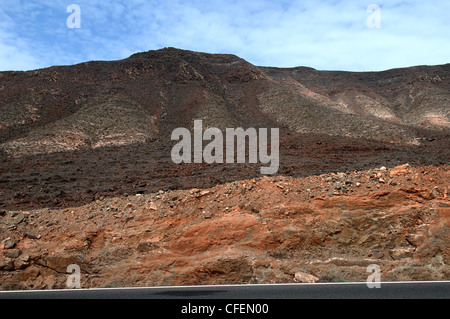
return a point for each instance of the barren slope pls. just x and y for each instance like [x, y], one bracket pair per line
[87, 175]
[170, 88]
[326, 228]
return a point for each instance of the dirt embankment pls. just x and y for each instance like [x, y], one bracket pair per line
[326, 228]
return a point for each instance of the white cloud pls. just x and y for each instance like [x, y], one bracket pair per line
[14, 52]
[12, 58]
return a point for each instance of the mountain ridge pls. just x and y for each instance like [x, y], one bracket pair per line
[170, 82]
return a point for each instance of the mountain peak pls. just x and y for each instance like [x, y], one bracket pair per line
[187, 55]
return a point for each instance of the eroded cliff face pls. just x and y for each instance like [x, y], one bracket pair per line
[324, 228]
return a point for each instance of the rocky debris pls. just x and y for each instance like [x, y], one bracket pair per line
[305, 278]
[19, 218]
[147, 246]
[152, 206]
[399, 170]
[12, 253]
[312, 233]
[6, 265]
[8, 243]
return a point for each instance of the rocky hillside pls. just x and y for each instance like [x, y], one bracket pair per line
[149, 94]
[326, 228]
[87, 175]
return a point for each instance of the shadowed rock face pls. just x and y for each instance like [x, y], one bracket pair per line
[87, 176]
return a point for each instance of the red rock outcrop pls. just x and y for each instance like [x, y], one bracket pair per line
[262, 230]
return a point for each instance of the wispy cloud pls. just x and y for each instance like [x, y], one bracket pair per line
[324, 35]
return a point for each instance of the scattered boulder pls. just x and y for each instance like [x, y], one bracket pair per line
[19, 218]
[399, 170]
[6, 264]
[9, 244]
[302, 277]
[147, 246]
[13, 253]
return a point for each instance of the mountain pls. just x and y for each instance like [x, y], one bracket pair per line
[146, 96]
[82, 130]
[87, 177]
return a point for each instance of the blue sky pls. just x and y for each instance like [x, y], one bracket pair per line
[326, 35]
